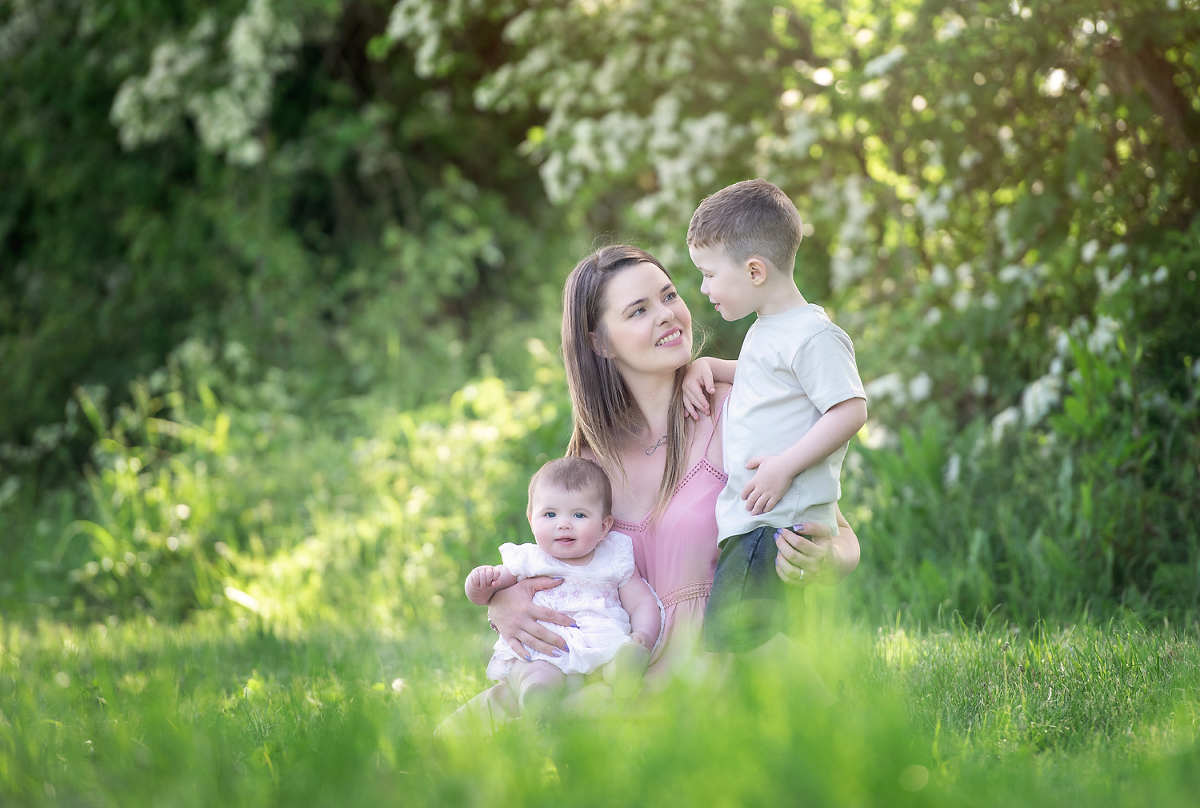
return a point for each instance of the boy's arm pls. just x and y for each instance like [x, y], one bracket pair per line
[484, 581]
[699, 382]
[644, 618]
[775, 472]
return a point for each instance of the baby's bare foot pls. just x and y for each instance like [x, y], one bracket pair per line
[629, 669]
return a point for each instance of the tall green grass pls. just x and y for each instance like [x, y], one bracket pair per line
[137, 714]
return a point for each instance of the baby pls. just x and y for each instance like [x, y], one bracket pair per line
[617, 618]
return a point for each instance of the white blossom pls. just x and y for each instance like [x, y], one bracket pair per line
[884, 64]
[951, 472]
[969, 157]
[848, 264]
[1041, 396]
[934, 209]
[873, 90]
[1108, 285]
[940, 275]
[258, 47]
[890, 386]
[953, 26]
[1088, 252]
[1006, 418]
[1055, 82]
[1103, 335]
[1010, 273]
[920, 386]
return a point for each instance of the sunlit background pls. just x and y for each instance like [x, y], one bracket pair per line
[279, 311]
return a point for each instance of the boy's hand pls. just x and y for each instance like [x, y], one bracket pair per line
[482, 582]
[697, 386]
[768, 485]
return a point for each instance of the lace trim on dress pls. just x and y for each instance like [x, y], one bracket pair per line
[702, 465]
[692, 591]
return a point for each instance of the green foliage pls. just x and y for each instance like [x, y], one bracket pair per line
[243, 172]
[196, 498]
[256, 247]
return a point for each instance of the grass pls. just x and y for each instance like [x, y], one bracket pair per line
[218, 714]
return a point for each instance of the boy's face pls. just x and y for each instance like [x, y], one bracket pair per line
[733, 288]
[567, 524]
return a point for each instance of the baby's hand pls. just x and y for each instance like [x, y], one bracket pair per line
[697, 386]
[629, 667]
[482, 582]
[768, 485]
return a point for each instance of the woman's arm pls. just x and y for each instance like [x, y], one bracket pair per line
[515, 615]
[821, 557]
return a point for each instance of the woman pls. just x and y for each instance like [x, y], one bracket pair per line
[627, 345]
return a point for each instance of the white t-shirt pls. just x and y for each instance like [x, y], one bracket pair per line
[792, 368]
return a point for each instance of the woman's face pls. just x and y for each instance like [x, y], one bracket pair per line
[647, 324]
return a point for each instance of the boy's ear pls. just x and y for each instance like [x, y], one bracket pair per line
[608, 523]
[757, 269]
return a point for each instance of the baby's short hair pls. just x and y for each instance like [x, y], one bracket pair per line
[749, 218]
[573, 474]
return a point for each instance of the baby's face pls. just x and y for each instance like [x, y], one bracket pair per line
[567, 524]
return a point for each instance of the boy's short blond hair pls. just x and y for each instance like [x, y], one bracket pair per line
[573, 474]
[749, 218]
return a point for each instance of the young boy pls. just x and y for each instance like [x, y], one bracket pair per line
[796, 401]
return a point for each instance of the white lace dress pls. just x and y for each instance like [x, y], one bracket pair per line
[588, 594]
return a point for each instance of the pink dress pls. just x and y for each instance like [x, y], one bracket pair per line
[677, 553]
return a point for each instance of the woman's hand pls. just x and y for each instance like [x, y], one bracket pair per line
[812, 553]
[515, 615]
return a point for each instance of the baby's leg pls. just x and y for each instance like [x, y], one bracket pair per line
[537, 685]
[627, 670]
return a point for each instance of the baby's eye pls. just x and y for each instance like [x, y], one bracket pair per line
[581, 516]
[551, 514]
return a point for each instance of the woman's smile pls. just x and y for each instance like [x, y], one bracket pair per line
[672, 337]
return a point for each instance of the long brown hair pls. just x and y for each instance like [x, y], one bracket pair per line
[605, 417]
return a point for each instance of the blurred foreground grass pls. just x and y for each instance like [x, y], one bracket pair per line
[136, 714]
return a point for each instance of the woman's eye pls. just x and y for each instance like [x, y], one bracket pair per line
[671, 296]
[637, 311]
